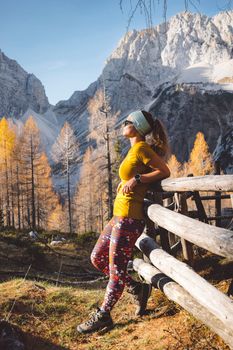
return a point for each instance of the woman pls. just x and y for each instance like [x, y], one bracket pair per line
[113, 250]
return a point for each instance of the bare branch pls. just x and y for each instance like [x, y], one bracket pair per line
[147, 8]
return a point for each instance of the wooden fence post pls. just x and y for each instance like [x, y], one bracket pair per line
[218, 197]
[187, 247]
[176, 293]
[205, 293]
[171, 237]
[163, 233]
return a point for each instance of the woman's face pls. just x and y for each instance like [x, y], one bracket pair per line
[129, 129]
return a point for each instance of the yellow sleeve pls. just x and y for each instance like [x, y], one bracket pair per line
[145, 154]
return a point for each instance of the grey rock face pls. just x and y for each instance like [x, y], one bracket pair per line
[186, 109]
[146, 72]
[224, 151]
[19, 90]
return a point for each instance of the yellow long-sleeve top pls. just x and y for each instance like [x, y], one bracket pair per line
[135, 162]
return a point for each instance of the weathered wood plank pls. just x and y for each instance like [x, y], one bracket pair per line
[200, 208]
[179, 295]
[196, 183]
[162, 232]
[215, 239]
[218, 197]
[186, 245]
[206, 294]
[210, 197]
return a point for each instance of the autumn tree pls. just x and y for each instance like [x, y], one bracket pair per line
[101, 130]
[174, 166]
[84, 196]
[201, 160]
[56, 220]
[46, 199]
[65, 153]
[7, 143]
[31, 153]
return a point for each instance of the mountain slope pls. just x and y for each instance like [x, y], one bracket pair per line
[19, 90]
[148, 68]
[181, 71]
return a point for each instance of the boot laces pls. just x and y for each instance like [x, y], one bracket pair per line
[94, 317]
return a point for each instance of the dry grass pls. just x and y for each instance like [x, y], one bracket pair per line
[48, 315]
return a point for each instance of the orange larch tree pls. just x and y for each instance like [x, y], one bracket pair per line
[174, 166]
[7, 143]
[31, 153]
[201, 161]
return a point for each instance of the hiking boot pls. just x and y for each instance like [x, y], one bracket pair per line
[99, 320]
[140, 293]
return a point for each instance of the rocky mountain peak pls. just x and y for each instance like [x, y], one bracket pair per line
[180, 70]
[158, 55]
[19, 90]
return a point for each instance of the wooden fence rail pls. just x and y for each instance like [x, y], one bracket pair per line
[179, 295]
[215, 239]
[207, 295]
[175, 278]
[196, 183]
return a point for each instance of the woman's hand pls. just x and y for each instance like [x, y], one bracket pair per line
[129, 185]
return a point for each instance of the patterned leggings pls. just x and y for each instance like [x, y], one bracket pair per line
[112, 252]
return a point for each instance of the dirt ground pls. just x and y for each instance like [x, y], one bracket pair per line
[47, 306]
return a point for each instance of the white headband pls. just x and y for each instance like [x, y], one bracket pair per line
[140, 123]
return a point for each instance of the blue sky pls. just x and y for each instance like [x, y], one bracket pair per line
[66, 42]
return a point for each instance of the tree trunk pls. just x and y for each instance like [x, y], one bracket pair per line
[12, 200]
[69, 197]
[33, 189]
[8, 218]
[18, 196]
[28, 207]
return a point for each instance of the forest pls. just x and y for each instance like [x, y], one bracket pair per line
[28, 198]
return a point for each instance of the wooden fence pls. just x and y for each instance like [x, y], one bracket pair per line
[177, 226]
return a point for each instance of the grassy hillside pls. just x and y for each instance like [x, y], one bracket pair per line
[48, 314]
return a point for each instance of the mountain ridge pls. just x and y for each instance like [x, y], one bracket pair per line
[19, 90]
[178, 64]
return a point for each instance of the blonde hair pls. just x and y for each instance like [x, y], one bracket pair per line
[158, 137]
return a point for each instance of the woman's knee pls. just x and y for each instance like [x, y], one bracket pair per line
[97, 259]
[94, 258]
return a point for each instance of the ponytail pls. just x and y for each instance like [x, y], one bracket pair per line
[157, 138]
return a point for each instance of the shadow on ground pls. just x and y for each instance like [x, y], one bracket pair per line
[13, 338]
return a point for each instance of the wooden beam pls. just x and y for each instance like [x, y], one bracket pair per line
[206, 294]
[218, 197]
[195, 183]
[219, 217]
[179, 295]
[187, 247]
[200, 208]
[164, 239]
[215, 239]
[222, 196]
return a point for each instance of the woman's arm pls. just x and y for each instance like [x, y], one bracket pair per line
[160, 171]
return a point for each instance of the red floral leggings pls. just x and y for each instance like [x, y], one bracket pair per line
[112, 252]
